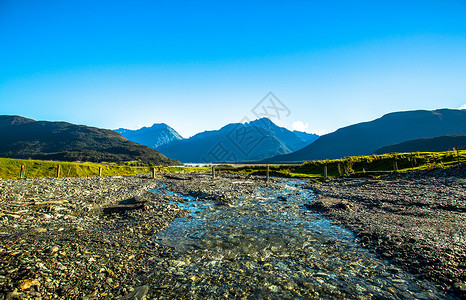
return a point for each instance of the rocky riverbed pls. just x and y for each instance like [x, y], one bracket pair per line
[416, 220]
[110, 237]
[78, 238]
[87, 238]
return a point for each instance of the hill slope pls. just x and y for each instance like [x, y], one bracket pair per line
[435, 144]
[307, 137]
[365, 138]
[255, 140]
[27, 138]
[154, 136]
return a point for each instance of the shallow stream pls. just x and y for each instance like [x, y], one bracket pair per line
[268, 245]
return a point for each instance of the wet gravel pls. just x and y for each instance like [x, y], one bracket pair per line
[98, 238]
[268, 245]
[415, 220]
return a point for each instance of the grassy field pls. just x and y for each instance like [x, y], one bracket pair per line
[11, 169]
[350, 166]
[360, 165]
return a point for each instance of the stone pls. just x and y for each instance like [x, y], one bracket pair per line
[139, 293]
[46, 216]
[53, 249]
[460, 286]
[39, 230]
[26, 284]
[14, 295]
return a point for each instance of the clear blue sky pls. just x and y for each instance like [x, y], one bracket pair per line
[199, 65]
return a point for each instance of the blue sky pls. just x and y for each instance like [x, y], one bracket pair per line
[200, 65]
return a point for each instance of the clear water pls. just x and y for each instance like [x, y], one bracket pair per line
[268, 245]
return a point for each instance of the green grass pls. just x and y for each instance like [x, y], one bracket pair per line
[383, 163]
[349, 166]
[357, 165]
[11, 168]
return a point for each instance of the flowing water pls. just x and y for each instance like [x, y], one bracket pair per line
[268, 245]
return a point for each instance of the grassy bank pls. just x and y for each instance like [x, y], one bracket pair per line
[349, 166]
[11, 169]
[360, 165]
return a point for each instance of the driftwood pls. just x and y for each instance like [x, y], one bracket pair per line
[40, 203]
[122, 208]
[19, 212]
[134, 203]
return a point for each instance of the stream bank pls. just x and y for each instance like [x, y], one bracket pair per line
[415, 220]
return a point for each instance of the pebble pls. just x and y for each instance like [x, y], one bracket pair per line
[139, 293]
[26, 284]
[38, 230]
[53, 249]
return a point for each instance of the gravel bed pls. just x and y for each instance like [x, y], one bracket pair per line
[80, 238]
[90, 238]
[93, 238]
[417, 220]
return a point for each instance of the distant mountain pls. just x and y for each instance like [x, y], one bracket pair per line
[154, 136]
[435, 144]
[255, 140]
[307, 137]
[365, 138]
[26, 138]
[293, 140]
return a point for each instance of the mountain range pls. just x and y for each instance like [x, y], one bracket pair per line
[235, 142]
[26, 138]
[367, 137]
[256, 141]
[157, 135]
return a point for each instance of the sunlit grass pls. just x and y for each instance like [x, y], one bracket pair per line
[11, 169]
[349, 166]
[356, 165]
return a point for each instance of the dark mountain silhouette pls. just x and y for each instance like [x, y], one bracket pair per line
[255, 140]
[154, 136]
[365, 138]
[435, 144]
[26, 138]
